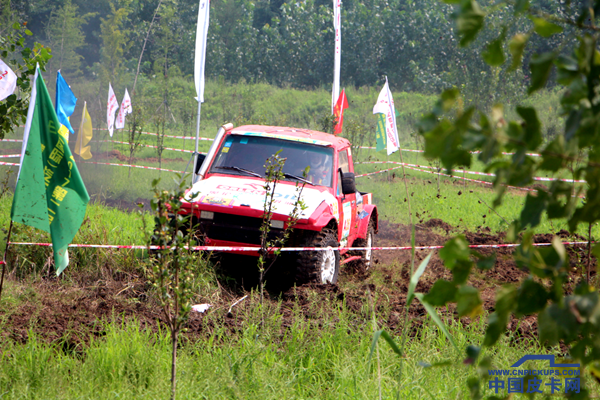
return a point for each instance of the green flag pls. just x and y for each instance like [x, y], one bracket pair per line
[50, 194]
[380, 134]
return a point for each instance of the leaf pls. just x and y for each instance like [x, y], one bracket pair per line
[516, 46]
[506, 300]
[540, 65]
[472, 354]
[496, 326]
[461, 271]
[455, 249]
[557, 323]
[441, 293]
[532, 128]
[531, 298]
[388, 339]
[531, 214]
[545, 28]
[447, 100]
[469, 303]
[414, 280]
[435, 317]
[568, 69]
[469, 21]
[485, 263]
[553, 158]
[494, 54]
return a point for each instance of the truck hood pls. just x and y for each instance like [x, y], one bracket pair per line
[234, 192]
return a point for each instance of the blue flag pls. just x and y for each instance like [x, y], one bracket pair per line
[65, 102]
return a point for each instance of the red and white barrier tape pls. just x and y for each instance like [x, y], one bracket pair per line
[470, 180]
[147, 145]
[377, 172]
[472, 152]
[249, 249]
[9, 163]
[11, 140]
[131, 166]
[478, 181]
[180, 137]
[169, 136]
[536, 178]
[9, 155]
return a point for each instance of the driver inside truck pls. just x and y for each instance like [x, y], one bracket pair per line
[320, 171]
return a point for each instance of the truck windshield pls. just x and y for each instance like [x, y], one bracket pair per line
[246, 155]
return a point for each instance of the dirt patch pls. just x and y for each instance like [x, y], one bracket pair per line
[71, 313]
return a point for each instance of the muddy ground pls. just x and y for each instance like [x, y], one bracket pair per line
[70, 312]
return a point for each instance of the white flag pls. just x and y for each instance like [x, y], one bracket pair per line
[337, 26]
[201, 33]
[111, 108]
[385, 105]
[125, 109]
[8, 81]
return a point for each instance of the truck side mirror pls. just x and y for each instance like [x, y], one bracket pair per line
[348, 183]
[201, 158]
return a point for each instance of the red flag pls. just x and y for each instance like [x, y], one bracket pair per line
[338, 112]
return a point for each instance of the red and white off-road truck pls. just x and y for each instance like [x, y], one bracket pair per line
[227, 197]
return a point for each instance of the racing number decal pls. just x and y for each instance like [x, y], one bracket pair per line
[347, 209]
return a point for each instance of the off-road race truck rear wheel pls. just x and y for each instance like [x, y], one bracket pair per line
[319, 266]
[362, 266]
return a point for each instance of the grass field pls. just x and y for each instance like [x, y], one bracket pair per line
[261, 361]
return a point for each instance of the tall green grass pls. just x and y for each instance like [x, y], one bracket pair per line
[328, 361]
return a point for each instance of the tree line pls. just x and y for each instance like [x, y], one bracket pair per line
[286, 44]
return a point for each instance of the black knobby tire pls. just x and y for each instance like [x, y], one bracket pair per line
[319, 266]
[361, 266]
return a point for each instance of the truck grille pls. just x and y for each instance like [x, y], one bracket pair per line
[236, 228]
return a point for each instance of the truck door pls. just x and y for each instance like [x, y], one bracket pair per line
[347, 203]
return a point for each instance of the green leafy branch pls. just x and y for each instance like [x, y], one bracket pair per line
[273, 175]
[23, 61]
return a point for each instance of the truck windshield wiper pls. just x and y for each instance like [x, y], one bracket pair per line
[247, 171]
[298, 178]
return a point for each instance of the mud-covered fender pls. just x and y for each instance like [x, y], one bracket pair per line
[369, 213]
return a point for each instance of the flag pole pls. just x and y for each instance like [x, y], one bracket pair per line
[3, 262]
[197, 139]
[199, 75]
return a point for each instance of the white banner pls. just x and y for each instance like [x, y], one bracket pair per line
[111, 108]
[200, 56]
[8, 81]
[337, 26]
[125, 110]
[385, 105]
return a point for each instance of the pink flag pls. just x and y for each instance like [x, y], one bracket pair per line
[8, 81]
[125, 109]
[111, 108]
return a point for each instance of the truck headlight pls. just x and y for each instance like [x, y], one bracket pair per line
[207, 214]
[276, 224]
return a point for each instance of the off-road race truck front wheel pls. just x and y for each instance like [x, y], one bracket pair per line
[362, 265]
[321, 266]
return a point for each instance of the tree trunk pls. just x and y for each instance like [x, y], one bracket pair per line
[174, 335]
